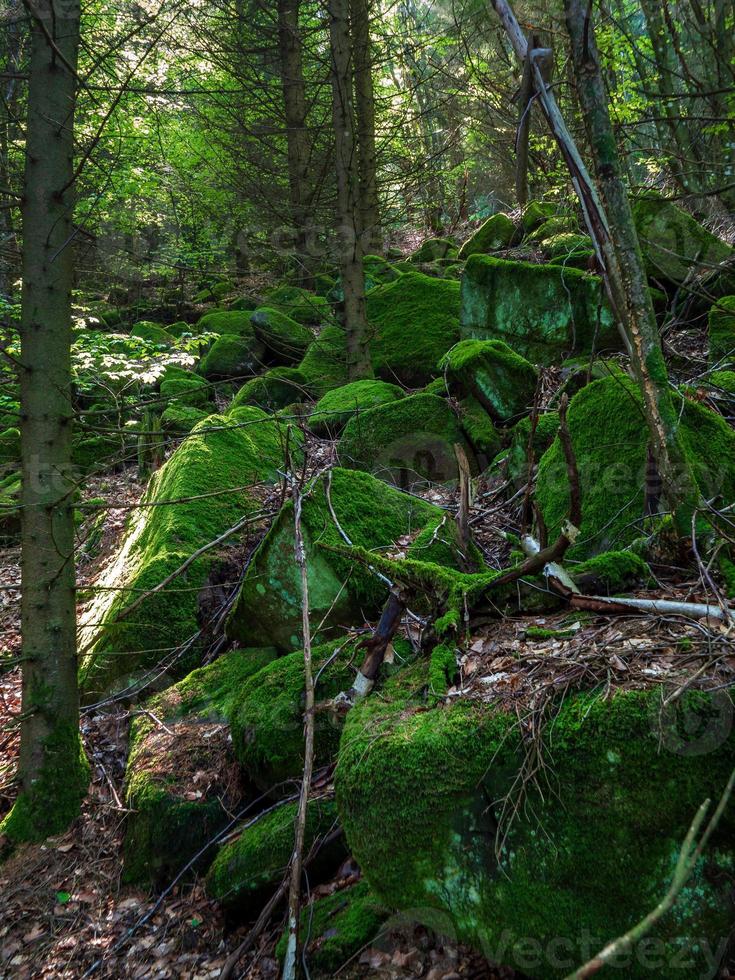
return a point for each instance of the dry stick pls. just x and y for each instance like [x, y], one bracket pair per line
[463, 514]
[688, 857]
[294, 894]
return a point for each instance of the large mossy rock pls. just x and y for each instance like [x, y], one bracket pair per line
[9, 448]
[277, 388]
[610, 438]
[246, 870]
[502, 381]
[408, 440]
[535, 213]
[541, 311]
[674, 245]
[285, 339]
[268, 715]
[232, 356]
[154, 333]
[421, 797]
[181, 782]
[373, 516]
[496, 232]
[217, 460]
[226, 321]
[721, 323]
[416, 320]
[433, 249]
[299, 304]
[334, 410]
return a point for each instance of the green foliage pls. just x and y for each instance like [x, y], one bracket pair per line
[154, 333]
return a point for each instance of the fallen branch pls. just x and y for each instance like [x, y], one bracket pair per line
[294, 894]
[690, 853]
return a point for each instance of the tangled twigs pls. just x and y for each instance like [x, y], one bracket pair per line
[691, 851]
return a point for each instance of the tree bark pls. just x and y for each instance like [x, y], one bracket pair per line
[53, 772]
[365, 113]
[297, 147]
[351, 252]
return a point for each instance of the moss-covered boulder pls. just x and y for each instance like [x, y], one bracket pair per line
[181, 782]
[610, 439]
[268, 714]
[9, 447]
[299, 304]
[334, 410]
[416, 321]
[154, 333]
[570, 249]
[9, 505]
[246, 870]
[496, 232]
[277, 388]
[502, 381]
[232, 356]
[535, 213]
[479, 430]
[434, 248]
[338, 927]
[178, 418]
[674, 245]
[721, 324]
[558, 225]
[325, 363]
[421, 796]
[285, 339]
[373, 516]
[542, 311]
[185, 388]
[408, 440]
[516, 456]
[217, 460]
[226, 322]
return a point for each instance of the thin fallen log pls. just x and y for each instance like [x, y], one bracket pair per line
[661, 607]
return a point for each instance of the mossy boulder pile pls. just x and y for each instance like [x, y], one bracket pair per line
[541, 311]
[495, 232]
[277, 388]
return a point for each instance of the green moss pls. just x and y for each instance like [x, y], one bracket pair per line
[479, 429]
[535, 213]
[301, 305]
[722, 331]
[226, 322]
[420, 797]
[495, 232]
[181, 418]
[724, 380]
[434, 248]
[415, 320]
[159, 539]
[284, 338]
[9, 505]
[610, 438]
[153, 332]
[53, 800]
[169, 823]
[551, 227]
[410, 438]
[501, 380]
[547, 426]
[267, 717]
[188, 389]
[338, 927]
[232, 356]
[439, 544]
[674, 245]
[613, 571]
[570, 248]
[273, 390]
[9, 446]
[325, 363]
[336, 408]
[542, 311]
[254, 864]
[378, 272]
[540, 633]
[372, 514]
[442, 669]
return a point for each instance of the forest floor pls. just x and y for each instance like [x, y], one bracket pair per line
[64, 911]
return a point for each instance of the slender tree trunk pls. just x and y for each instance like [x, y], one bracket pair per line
[12, 44]
[53, 772]
[351, 268]
[294, 102]
[616, 242]
[365, 112]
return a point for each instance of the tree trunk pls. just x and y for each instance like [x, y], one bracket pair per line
[365, 112]
[53, 772]
[350, 259]
[294, 102]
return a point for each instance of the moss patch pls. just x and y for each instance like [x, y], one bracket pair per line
[273, 390]
[299, 304]
[284, 338]
[232, 356]
[325, 363]
[501, 380]
[496, 232]
[336, 408]
[722, 331]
